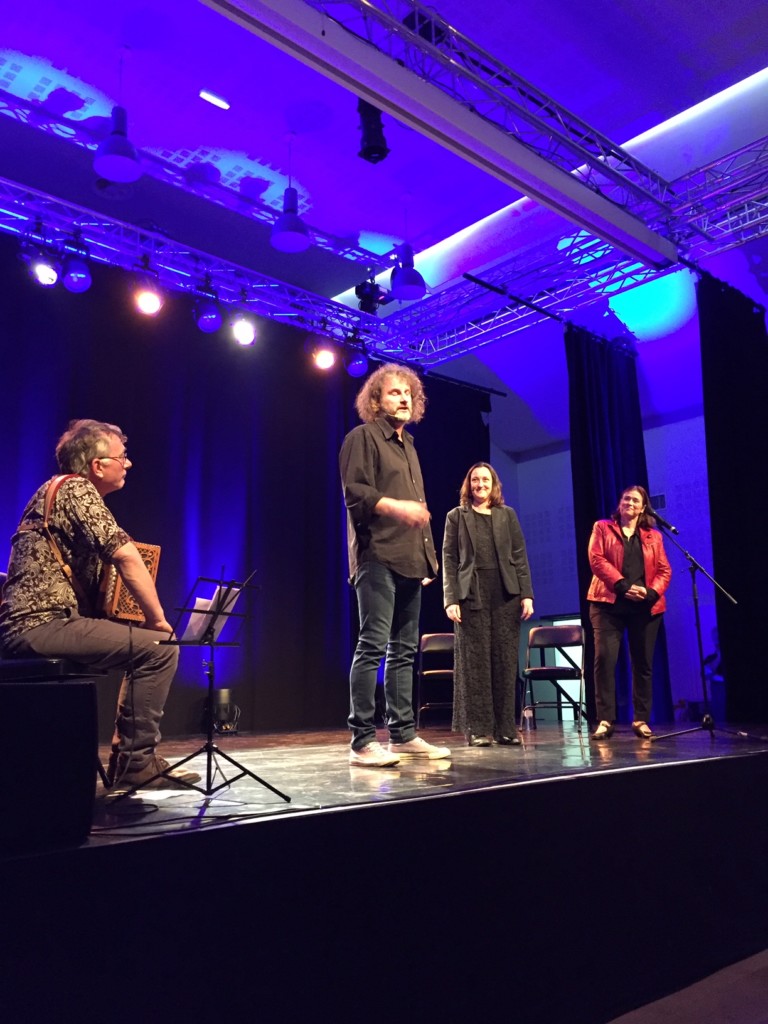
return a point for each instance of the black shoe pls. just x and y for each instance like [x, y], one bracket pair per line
[144, 778]
[478, 741]
[509, 741]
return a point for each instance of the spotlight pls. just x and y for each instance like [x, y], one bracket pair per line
[324, 357]
[148, 298]
[290, 233]
[357, 364]
[371, 296]
[226, 714]
[406, 282]
[207, 315]
[43, 267]
[76, 275]
[243, 330]
[373, 145]
[116, 157]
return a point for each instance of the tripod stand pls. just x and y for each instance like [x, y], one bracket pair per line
[707, 722]
[215, 614]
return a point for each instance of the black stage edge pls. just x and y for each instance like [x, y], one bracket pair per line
[566, 900]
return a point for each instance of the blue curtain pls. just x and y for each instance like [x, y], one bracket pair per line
[235, 456]
[607, 455]
[734, 364]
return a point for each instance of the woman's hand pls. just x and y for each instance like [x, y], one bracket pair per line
[453, 611]
[526, 608]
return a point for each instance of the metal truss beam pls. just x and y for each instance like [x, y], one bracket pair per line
[725, 202]
[46, 220]
[474, 107]
[170, 173]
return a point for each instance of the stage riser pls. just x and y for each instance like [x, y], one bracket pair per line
[568, 900]
[48, 738]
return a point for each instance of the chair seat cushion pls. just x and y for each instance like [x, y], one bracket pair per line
[552, 672]
[19, 670]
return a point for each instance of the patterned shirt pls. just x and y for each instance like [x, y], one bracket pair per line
[37, 591]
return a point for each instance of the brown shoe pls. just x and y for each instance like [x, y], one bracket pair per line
[144, 778]
[604, 731]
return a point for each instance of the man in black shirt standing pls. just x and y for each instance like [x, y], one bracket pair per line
[391, 556]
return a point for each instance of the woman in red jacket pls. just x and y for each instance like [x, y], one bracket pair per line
[631, 574]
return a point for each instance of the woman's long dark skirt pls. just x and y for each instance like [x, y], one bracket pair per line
[486, 660]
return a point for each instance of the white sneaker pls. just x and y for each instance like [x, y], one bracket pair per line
[417, 747]
[372, 755]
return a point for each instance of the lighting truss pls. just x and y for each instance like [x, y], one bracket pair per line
[462, 97]
[466, 317]
[171, 172]
[473, 77]
[179, 267]
[726, 201]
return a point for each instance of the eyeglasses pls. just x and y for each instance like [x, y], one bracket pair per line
[118, 458]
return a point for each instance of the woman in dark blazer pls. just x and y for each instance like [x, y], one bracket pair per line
[486, 592]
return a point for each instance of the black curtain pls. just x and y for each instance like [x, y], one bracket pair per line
[607, 455]
[235, 456]
[734, 360]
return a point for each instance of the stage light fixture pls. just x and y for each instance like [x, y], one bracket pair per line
[373, 145]
[148, 298]
[43, 268]
[324, 356]
[406, 283]
[116, 157]
[290, 233]
[76, 275]
[207, 314]
[226, 714]
[357, 364]
[243, 330]
[370, 296]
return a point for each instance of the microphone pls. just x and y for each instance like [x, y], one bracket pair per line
[661, 520]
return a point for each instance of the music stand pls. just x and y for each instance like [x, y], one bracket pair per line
[208, 618]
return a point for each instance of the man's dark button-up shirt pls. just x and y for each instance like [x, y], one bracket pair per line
[374, 464]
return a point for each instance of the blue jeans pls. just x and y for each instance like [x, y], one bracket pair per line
[388, 606]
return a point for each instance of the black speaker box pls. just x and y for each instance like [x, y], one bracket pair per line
[48, 756]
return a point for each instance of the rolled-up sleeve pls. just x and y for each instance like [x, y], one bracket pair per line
[357, 462]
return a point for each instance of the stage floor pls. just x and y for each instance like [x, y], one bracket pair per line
[311, 768]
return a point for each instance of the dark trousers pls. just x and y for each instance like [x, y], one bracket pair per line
[388, 606]
[609, 627]
[106, 645]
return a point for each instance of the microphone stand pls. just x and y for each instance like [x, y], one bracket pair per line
[707, 722]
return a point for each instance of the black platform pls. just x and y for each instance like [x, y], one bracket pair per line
[558, 882]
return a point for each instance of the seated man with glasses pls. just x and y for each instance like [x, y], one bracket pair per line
[49, 601]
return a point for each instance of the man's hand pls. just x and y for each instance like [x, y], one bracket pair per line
[412, 513]
[160, 626]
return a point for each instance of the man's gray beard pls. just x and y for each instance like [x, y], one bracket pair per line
[401, 416]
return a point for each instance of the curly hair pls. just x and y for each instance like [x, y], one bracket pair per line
[465, 495]
[368, 401]
[644, 520]
[82, 442]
